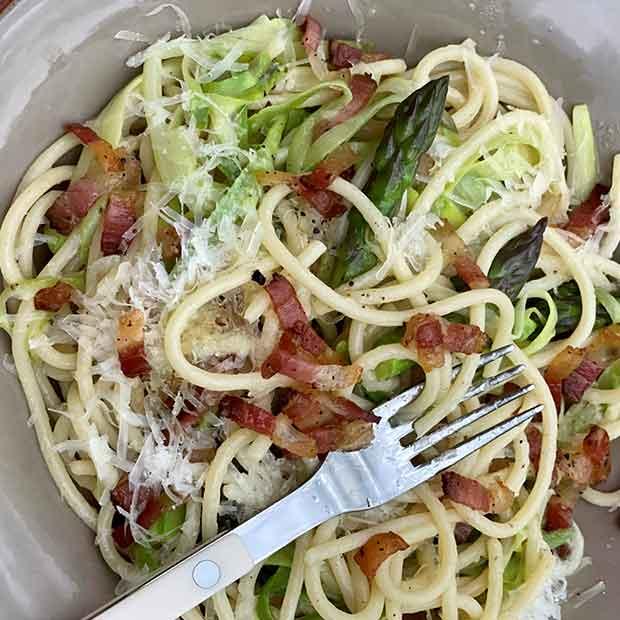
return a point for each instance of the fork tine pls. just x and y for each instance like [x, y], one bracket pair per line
[459, 424]
[421, 473]
[392, 406]
[475, 390]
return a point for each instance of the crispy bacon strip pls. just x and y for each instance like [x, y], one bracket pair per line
[596, 448]
[53, 298]
[589, 215]
[466, 339]
[604, 347]
[286, 436]
[313, 33]
[561, 366]
[71, 206]
[248, 415]
[170, 243]
[327, 203]
[363, 87]
[292, 315]
[107, 157]
[119, 216]
[378, 549]
[344, 408]
[570, 374]
[306, 412]
[342, 55]
[459, 257]
[328, 438]
[122, 536]
[291, 360]
[575, 385]
[432, 336]
[148, 502]
[559, 515]
[130, 344]
[466, 491]
[313, 186]
[534, 440]
[462, 533]
[425, 333]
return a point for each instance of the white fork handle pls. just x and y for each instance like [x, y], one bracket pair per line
[185, 585]
[178, 588]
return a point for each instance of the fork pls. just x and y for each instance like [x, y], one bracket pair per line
[345, 482]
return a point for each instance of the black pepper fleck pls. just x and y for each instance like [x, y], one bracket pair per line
[259, 278]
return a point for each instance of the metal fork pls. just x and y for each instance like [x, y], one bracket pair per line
[345, 482]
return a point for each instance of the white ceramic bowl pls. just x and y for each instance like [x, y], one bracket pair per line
[59, 62]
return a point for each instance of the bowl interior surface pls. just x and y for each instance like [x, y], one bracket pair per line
[59, 62]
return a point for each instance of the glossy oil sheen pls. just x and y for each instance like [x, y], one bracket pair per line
[59, 63]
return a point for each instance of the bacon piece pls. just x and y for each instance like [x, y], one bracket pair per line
[294, 362]
[342, 55]
[306, 412]
[433, 336]
[363, 87]
[589, 215]
[247, 415]
[293, 320]
[501, 497]
[344, 408]
[53, 298]
[374, 56]
[71, 206]
[534, 439]
[328, 438]
[107, 157]
[313, 186]
[378, 549]
[150, 513]
[570, 374]
[148, 503]
[425, 332]
[170, 243]
[459, 257]
[357, 434]
[462, 533]
[596, 448]
[466, 339]
[130, 344]
[122, 536]
[327, 203]
[292, 315]
[559, 515]
[561, 366]
[575, 385]
[466, 491]
[119, 216]
[286, 436]
[604, 347]
[313, 33]
[575, 466]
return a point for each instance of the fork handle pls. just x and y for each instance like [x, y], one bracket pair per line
[210, 568]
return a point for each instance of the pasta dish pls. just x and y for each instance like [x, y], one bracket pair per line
[265, 234]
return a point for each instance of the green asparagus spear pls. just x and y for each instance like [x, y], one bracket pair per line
[407, 137]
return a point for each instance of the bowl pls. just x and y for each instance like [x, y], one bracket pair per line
[59, 62]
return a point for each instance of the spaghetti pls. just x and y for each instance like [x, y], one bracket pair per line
[142, 331]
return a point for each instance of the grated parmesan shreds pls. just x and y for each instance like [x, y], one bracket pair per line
[547, 605]
[268, 481]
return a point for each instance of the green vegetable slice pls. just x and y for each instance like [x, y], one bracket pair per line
[516, 261]
[407, 137]
[583, 168]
